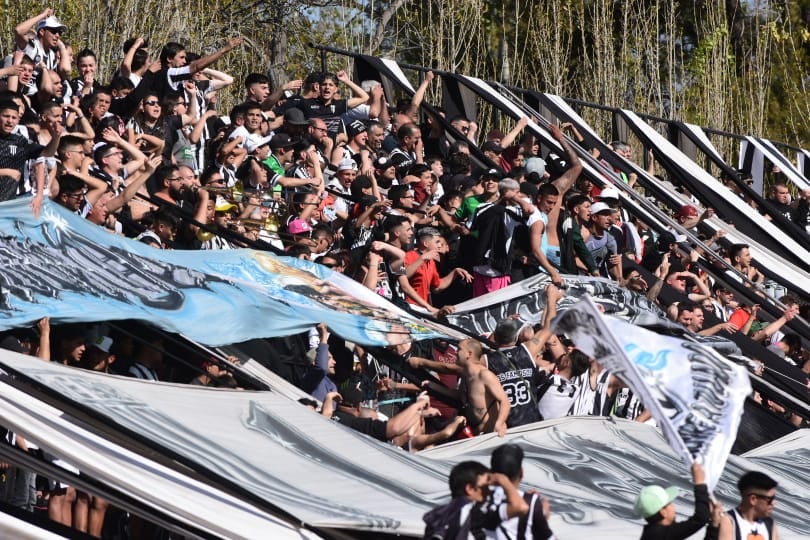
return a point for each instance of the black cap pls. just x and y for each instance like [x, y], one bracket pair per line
[383, 162]
[491, 173]
[295, 117]
[491, 146]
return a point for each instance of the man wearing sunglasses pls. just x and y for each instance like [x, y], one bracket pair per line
[45, 47]
[751, 519]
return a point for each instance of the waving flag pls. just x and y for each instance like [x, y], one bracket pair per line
[66, 268]
[694, 394]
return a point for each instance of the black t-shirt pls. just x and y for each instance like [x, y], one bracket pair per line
[520, 378]
[368, 426]
[15, 150]
[780, 208]
[331, 114]
[168, 80]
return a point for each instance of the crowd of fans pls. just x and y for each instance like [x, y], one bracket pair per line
[327, 170]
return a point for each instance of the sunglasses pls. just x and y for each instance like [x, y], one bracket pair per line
[153, 102]
[766, 498]
[57, 31]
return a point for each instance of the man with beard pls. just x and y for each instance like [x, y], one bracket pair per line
[178, 186]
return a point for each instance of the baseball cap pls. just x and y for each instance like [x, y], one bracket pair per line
[491, 146]
[51, 22]
[609, 193]
[295, 117]
[252, 144]
[667, 238]
[221, 205]
[652, 499]
[491, 173]
[282, 140]
[600, 207]
[103, 343]
[535, 165]
[347, 165]
[383, 162]
[527, 188]
[298, 226]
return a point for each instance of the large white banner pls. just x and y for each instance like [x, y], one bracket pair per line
[694, 394]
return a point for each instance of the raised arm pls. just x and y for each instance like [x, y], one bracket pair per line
[564, 182]
[205, 61]
[510, 137]
[96, 186]
[419, 97]
[218, 79]
[135, 183]
[432, 365]
[44, 327]
[136, 157]
[79, 120]
[22, 29]
[702, 515]
[13, 73]
[396, 256]
[768, 331]
[126, 63]
[199, 126]
[376, 102]
[360, 95]
[516, 506]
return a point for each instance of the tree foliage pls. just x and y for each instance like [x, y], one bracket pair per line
[734, 65]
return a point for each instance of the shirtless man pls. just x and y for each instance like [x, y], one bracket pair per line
[486, 405]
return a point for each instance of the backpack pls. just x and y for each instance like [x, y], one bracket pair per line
[444, 522]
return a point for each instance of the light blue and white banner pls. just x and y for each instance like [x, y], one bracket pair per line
[694, 394]
[66, 268]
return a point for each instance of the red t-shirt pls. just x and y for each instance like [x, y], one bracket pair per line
[425, 278]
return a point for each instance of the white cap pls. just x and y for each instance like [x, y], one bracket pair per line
[600, 207]
[347, 165]
[609, 193]
[51, 22]
[253, 143]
